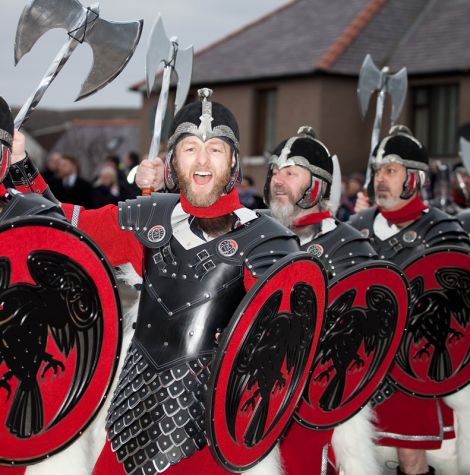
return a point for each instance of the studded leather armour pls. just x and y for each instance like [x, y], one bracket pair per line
[340, 249]
[19, 204]
[188, 296]
[434, 228]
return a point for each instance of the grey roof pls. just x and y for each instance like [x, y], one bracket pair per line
[426, 36]
[308, 36]
[291, 41]
[440, 41]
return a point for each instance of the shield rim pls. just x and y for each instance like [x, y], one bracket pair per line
[409, 262]
[226, 338]
[365, 266]
[65, 226]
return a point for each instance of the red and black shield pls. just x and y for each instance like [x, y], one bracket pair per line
[362, 328]
[60, 336]
[263, 361]
[433, 358]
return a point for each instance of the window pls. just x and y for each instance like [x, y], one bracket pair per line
[435, 118]
[265, 121]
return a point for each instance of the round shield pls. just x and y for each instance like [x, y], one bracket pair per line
[434, 355]
[362, 328]
[263, 361]
[60, 336]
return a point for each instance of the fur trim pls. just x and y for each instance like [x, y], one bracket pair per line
[80, 457]
[128, 275]
[353, 444]
[270, 465]
[460, 403]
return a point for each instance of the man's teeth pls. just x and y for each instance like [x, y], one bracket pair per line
[203, 173]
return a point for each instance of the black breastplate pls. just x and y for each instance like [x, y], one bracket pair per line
[189, 295]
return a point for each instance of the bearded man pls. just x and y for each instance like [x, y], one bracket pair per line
[198, 251]
[297, 190]
[402, 227]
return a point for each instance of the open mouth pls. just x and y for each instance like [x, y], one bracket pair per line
[202, 177]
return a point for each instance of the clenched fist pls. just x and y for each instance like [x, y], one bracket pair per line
[150, 174]
[18, 152]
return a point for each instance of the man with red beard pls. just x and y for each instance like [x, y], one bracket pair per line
[198, 251]
[402, 226]
[297, 189]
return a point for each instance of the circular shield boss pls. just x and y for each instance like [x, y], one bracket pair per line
[364, 321]
[263, 361]
[60, 327]
[434, 355]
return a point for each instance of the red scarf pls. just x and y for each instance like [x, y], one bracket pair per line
[410, 212]
[224, 205]
[312, 218]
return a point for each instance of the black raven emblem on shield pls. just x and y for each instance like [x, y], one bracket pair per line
[276, 340]
[431, 321]
[65, 305]
[346, 328]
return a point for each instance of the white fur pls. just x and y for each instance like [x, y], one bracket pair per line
[80, 457]
[353, 444]
[270, 465]
[460, 403]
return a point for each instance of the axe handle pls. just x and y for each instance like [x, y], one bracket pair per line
[375, 133]
[54, 69]
[159, 118]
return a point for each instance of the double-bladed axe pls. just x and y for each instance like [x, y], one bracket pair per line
[162, 49]
[372, 79]
[112, 43]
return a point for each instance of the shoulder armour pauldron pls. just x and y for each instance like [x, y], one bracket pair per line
[438, 228]
[29, 204]
[271, 242]
[149, 217]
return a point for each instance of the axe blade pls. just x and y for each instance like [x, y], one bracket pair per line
[113, 44]
[183, 69]
[40, 16]
[159, 50]
[370, 80]
[465, 152]
[397, 87]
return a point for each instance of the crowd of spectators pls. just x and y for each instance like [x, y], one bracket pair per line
[109, 186]
[448, 188]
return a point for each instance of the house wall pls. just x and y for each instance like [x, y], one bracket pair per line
[329, 104]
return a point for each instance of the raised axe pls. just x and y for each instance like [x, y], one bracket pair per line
[372, 79]
[112, 43]
[161, 49]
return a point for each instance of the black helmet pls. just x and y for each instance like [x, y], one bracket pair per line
[400, 146]
[304, 150]
[206, 120]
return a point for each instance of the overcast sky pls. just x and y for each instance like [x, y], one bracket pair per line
[199, 23]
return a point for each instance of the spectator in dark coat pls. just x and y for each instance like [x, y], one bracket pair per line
[69, 187]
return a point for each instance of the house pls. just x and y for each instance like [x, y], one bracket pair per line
[299, 65]
[88, 134]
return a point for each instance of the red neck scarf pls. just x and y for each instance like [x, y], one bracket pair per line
[410, 212]
[224, 205]
[3, 190]
[312, 218]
